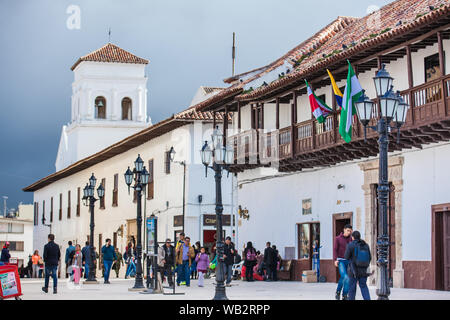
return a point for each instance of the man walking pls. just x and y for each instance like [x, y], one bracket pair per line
[52, 254]
[5, 253]
[359, 257]
[108, 256]
[185, 254]
[86, 252]
[166, 257]
[179, 243]
[69, 256]
[228, 256]
[268, 261]
[118, 262]
[340, 245]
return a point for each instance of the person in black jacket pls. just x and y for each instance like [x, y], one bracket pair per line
[269, 256]
[5, 256]
[276, 258]
[52, 255]
[228, 256]
[357, 274]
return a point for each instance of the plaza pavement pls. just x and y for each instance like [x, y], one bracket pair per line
[118, 290]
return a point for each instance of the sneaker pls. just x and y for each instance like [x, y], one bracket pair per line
[338, 296]
[228, 285]
[45, 289]
[344, 297]
[183, 283]
[178, 284]
[188, 285]
[55, 291]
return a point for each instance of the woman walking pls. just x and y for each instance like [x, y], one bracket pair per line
[77, 264]
[249, 261]
[129, 259]
[35, 259]
[202, 261]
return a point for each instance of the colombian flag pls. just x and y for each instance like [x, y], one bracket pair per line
[337, 93]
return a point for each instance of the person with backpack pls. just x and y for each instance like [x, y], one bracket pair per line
[69, 256]
[340, 244]
[249, 261]
[359, 257]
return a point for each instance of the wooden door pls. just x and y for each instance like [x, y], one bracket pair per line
[446, 250]
[131, 230]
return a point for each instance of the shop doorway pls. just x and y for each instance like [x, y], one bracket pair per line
[308, 237]
[441, 246]
[209, 241]
[340, 220]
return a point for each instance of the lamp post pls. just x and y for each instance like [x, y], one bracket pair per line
[393, 108]
[218, 158]
[183, 163]
[141, 176]
[89, 200]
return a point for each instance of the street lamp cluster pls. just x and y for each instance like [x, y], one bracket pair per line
[218, 157]
[393, 108]
[141, 177]
[89, 200]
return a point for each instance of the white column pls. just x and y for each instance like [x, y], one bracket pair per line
[89, 106]
[115, 105]
[140, 104]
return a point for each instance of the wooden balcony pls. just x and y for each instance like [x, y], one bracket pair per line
[319, 145]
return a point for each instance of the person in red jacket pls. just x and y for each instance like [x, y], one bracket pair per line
[340, 244]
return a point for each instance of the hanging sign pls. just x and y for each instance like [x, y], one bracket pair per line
[151, 234]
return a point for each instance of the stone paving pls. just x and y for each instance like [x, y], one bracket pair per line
[118, 290]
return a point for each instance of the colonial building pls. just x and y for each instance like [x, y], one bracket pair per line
[301, 183]
[18, 231]
[178, 192]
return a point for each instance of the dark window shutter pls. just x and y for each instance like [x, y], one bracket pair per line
[150, 186]
[102, 200]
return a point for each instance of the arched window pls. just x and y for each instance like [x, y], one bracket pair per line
[100, 108]
[126, 109]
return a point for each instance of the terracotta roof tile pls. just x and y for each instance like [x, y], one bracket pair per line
[369, 30]
[111, 53]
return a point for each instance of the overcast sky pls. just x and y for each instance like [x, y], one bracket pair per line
[188, 43]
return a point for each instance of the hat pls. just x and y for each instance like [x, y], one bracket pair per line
[7, 243]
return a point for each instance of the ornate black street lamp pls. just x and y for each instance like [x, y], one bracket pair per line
[393, 108]
[89, 200]
[141, 176]
[220, 158]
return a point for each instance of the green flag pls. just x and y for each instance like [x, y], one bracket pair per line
[353, 91]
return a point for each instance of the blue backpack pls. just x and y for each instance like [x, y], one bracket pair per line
[362, 255]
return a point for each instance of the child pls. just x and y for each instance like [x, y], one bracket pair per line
[202, 260]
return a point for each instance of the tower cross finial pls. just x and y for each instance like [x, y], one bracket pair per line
[109, 35]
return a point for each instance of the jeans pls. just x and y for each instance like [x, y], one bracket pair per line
[362, 285]
[228, 271]
[167, 269]
[53, 270]
[107, 264]
[35, 271]
[86, 270]
[184, 271]
[131, 268]
[343, 283]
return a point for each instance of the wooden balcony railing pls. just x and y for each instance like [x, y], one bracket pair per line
[429, 103]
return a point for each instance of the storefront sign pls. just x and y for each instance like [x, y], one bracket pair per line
[210, 220]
